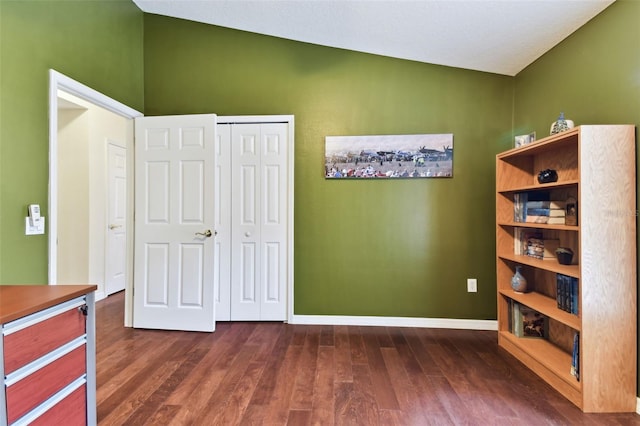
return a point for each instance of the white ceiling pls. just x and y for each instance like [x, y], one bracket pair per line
[497, 36]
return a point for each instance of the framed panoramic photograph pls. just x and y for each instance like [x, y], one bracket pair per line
[389, 156]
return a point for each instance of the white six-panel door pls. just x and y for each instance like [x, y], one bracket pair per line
[116, 219]
[174, 222]
[259, 217]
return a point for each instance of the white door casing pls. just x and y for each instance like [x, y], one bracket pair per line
[116, 250]
[174, 219]
[222, 262]
[260, 221]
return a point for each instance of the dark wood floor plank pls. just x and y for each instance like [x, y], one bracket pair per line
[360, 406]
[157, 399]
[302, 398]
[280, 402]
[272, 374]
[356, 344]
[163, 416]
[144, 373]
[299, 418]
[326, 336]
[344, 372]
[322, 411]
[405, 391]
[273, 367]
[218, 399]
[385, 395]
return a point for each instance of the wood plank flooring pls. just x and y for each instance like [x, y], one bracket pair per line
[267, 373]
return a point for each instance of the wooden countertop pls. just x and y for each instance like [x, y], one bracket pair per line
[17, 301]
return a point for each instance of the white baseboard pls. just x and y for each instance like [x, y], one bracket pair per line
[465, 324]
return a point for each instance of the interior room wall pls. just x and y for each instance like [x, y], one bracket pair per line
[83, 138]
[593, 77]
[99, 43]
[376, 247]
[73, 196]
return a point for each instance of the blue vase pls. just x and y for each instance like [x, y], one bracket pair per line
[518, 281]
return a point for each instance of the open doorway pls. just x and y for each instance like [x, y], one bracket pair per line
[90, 197]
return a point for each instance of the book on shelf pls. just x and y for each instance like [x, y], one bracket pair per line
[521, 201]
[527, 322]
[548, 204]
[545, 212]
[567, 290]
[575, 357]
[548, 220]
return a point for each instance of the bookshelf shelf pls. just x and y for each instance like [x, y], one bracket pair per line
[537, 187]
[555, 360]
[540, 226]
[545, 305]
[547, 265]
[596, 166]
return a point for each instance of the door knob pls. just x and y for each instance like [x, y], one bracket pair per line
[247, 234]
[206, 233]
[112, 226]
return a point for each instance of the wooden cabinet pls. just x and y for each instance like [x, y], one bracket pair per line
[596, 165]
[47, 355]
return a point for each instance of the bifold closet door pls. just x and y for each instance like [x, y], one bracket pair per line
[258, 222]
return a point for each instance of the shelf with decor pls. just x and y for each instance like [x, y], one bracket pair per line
[588, 349]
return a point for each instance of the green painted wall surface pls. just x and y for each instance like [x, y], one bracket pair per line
[593, 76]
[383, 248]
[100, 44]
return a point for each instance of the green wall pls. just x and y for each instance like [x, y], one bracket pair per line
[99, 43]
[381, 248]
[593, 76]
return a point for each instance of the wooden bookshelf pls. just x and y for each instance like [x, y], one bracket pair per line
[596, 166]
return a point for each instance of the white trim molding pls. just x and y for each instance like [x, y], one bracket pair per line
[462, 324]
[60, 82]
[637, 405]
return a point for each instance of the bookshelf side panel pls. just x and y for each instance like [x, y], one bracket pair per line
[607, 220]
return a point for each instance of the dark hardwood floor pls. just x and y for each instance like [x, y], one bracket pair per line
[266, 373]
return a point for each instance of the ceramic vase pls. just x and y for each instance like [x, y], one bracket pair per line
[561, 125]
[518, 281]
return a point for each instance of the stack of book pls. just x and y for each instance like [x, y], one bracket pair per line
[550, 212]
[521, 201]
[567, 293]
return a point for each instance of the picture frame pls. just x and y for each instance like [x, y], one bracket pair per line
[522, 140]
[389, 156]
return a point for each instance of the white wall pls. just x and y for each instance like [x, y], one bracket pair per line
[82, 158]
[73, 196]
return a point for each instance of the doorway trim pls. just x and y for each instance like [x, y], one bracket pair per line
[59, 81]
[289, 120]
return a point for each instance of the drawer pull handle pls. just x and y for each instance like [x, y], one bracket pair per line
[84, 309]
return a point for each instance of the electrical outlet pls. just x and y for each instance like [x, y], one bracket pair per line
[472, 285]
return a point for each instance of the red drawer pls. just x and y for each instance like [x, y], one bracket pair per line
[29, 344]
[71, 411]
[28, 393]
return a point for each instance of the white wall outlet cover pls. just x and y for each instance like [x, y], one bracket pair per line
[38, 229]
